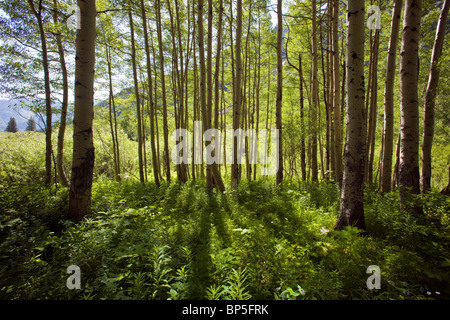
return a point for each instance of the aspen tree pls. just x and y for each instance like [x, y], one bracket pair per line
[83, 144]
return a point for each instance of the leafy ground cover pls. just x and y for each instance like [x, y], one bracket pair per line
[182, 241]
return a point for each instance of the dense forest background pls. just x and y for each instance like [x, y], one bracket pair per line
[357, 92]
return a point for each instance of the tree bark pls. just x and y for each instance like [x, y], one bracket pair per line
[372, 110]
[163, 89]
[279, 103]
[237, 96]
[409, 103]
[83, 144]
[315, 95]
[181, 85]
[48, 104]
[302, 121]
[62, 123]
[351, 206]
[336, 98]
[150, 92]
[214, 169]
[430, 95]
[112, 115]
[388, 133]
[136, 93]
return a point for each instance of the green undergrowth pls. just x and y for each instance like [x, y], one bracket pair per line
[185, 242]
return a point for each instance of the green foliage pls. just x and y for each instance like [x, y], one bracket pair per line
[182, 241]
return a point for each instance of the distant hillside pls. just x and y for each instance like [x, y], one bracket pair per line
[8, 110]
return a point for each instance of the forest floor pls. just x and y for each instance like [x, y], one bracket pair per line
[181, 241]
[184, 242]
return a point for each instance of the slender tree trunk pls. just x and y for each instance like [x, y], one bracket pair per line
[409, 104]
[372, 111]
[302, 121]
[195, 98]
[351, 207]
[337, 97]
[150, 92]
[330, 93]
[279, 103]
[430, 95]
[111, 118]
[269, 77]
[83, 144]
[315, 95]
[136, 93]
[203, 85]
[258, 88]
[176, 82]
[397, 163]
[217, 72]
[62, 126]
[278, 112]
[155, 88]
[48, 104]
[214, 169]
[180, 78]
[206, 83]
[324, 57]
[237, 96]
[388, 133]
[163, 89]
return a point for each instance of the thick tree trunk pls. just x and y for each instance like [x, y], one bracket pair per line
[83, 144]
[351, 207]
[409, 103]
[430, 95]
[388, 133]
